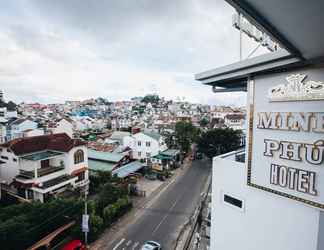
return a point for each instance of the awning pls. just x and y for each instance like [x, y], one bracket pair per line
[171, 152]
[78, 171]
[128, 169]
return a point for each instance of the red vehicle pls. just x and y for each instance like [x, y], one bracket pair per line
[74, 245]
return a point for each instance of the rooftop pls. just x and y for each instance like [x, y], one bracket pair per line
[152, 134]
[54, 142]
[104, 156]
[128, 169]
[41, 155]
[100, 165]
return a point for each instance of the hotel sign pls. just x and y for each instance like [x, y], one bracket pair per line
[286, 136]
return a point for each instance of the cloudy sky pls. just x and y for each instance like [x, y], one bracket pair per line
[59, 50]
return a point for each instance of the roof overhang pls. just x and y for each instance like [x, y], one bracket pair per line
[234, 76]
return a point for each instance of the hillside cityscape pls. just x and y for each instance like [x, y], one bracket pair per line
[150, 125]
[114, 156]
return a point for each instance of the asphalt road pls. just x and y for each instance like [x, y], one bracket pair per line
[163, 220]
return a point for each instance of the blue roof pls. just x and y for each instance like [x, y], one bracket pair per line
[127, 169]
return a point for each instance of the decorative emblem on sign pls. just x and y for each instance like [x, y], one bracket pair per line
[297, 89]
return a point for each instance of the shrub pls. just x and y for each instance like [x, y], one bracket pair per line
[96, 227]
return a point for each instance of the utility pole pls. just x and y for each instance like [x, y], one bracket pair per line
[86, 214]
[240, 23]
[85, 218]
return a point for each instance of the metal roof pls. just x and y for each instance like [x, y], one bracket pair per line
[100, 165]
[152, 134]
[171, 152]
[128, 169]
[104, 156]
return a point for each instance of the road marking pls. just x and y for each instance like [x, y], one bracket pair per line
[135, 245]
[128, 243]
[119, 243]
[165, 216]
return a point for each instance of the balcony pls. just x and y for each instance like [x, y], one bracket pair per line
[39, 172]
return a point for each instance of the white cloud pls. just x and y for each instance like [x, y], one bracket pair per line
[74, 50]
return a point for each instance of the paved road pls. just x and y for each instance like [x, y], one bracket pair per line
[163, 220]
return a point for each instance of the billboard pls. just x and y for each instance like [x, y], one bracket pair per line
[286, 135]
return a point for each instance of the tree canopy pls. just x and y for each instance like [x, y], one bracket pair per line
[219, 141]
[203, 122]
[185, 135]
[151, 99]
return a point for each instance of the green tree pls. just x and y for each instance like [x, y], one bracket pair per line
[24, 224]
[185, 135]
[219, 141]
[151, 99]
[108, 195]
[96, 225]
[203, 122]
[169, 138]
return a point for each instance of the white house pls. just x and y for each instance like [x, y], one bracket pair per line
[3, 133]
[41, 166]
[145, 144]
[17, 127]
[235, 121]
[274, 199]
[62, 126]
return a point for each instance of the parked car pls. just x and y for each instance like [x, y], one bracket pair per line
[151, 245]
[74, 245]
[151, 177]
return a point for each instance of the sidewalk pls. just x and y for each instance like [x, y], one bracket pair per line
[140, 203]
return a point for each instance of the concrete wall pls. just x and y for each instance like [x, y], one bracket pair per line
[10, 167]
[265, 222]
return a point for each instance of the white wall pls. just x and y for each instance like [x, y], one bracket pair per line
[266, 222]
[64, 126]
[153, 149]
[9, 168]
[16, 130]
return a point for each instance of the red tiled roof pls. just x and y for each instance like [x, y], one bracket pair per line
[59, 142]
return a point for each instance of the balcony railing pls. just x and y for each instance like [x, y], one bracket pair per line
[40, 172]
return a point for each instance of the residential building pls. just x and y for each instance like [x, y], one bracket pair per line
[235, 121]
[62, 126]
[39, 167]
[145, 144]
[16, 127]
[3, 132]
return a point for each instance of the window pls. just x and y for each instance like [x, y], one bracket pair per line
[233, 201]
[148, 155]
[139, 143]
[4, 157]
[139, 154]
[148, 144]
[78, 156]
